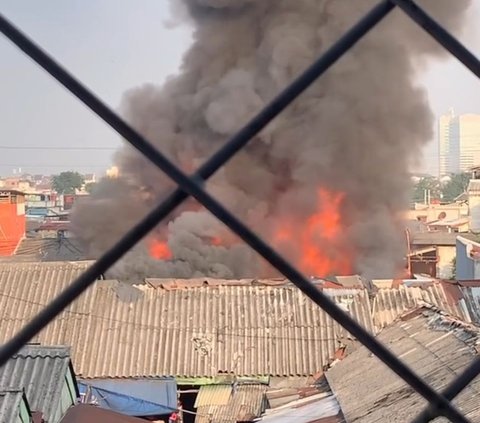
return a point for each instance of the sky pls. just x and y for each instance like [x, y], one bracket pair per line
[114, 45]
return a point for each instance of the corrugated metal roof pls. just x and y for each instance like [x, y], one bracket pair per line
[35, 272]
[435, 346]
[10, 400]
[41, 372]
[213, 395]
[389, 303]
[245, 404]
[192, 332]
[318, 408]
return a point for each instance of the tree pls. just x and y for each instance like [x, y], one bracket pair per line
[429, 183]
[67, 182]
[455, 186]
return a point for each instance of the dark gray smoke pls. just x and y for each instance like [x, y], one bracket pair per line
[357, 131]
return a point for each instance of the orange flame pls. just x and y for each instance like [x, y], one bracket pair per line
[216, 240]
[320, 251]
[159, 250]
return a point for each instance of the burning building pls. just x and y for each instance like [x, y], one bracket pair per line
[323, 183]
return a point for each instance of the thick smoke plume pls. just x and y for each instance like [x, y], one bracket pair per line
[342, 151]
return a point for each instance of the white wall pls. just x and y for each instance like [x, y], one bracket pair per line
[445, 266]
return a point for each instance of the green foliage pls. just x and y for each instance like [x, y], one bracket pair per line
[457, 185]
[67, 182]
[428, 183]
[446, 192]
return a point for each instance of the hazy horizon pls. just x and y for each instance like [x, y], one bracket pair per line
[113, 45]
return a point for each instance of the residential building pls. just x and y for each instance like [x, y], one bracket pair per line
[427, 213]
[227, 345]
[12, 221]
[467, 259]
[459, 142]
[473, 192]
[144, 340]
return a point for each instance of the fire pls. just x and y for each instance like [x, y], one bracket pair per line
[315, 244]
[320, 251]
[216, 240]
[159, 250]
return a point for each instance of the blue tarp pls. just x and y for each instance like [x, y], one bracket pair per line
[133, 397]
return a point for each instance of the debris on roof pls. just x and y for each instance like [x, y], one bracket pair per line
[309, 404]
[436, 346]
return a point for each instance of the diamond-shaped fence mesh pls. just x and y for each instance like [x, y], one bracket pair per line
[439, 403]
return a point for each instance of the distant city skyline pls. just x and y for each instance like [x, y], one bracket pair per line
[114, 45]
[458, 142]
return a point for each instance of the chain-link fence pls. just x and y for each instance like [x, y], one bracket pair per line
[440, 403]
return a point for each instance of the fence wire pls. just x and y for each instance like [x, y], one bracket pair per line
[439, 403]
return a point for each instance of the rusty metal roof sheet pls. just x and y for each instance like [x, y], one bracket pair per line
[389, 303]
[213, 395]
[191, 332]
[246, 403]
[435, 346]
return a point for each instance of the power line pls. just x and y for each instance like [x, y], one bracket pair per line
[11, 147]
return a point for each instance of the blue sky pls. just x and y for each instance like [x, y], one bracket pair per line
[113, 45]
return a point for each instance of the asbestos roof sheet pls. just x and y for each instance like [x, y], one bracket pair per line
[435, 346]
[10, 401]
[390, 303]
[41, 372]
[118, 330]
[246, 403]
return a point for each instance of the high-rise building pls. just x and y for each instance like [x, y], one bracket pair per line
[459, 142]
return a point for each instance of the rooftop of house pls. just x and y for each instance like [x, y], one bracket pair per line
[182, 328]
[36, 249]
[205, 328]
[82, 413]
[435, 345]
[40, 371]
[439, 238]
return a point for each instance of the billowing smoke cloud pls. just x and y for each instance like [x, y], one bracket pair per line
[353, 135]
